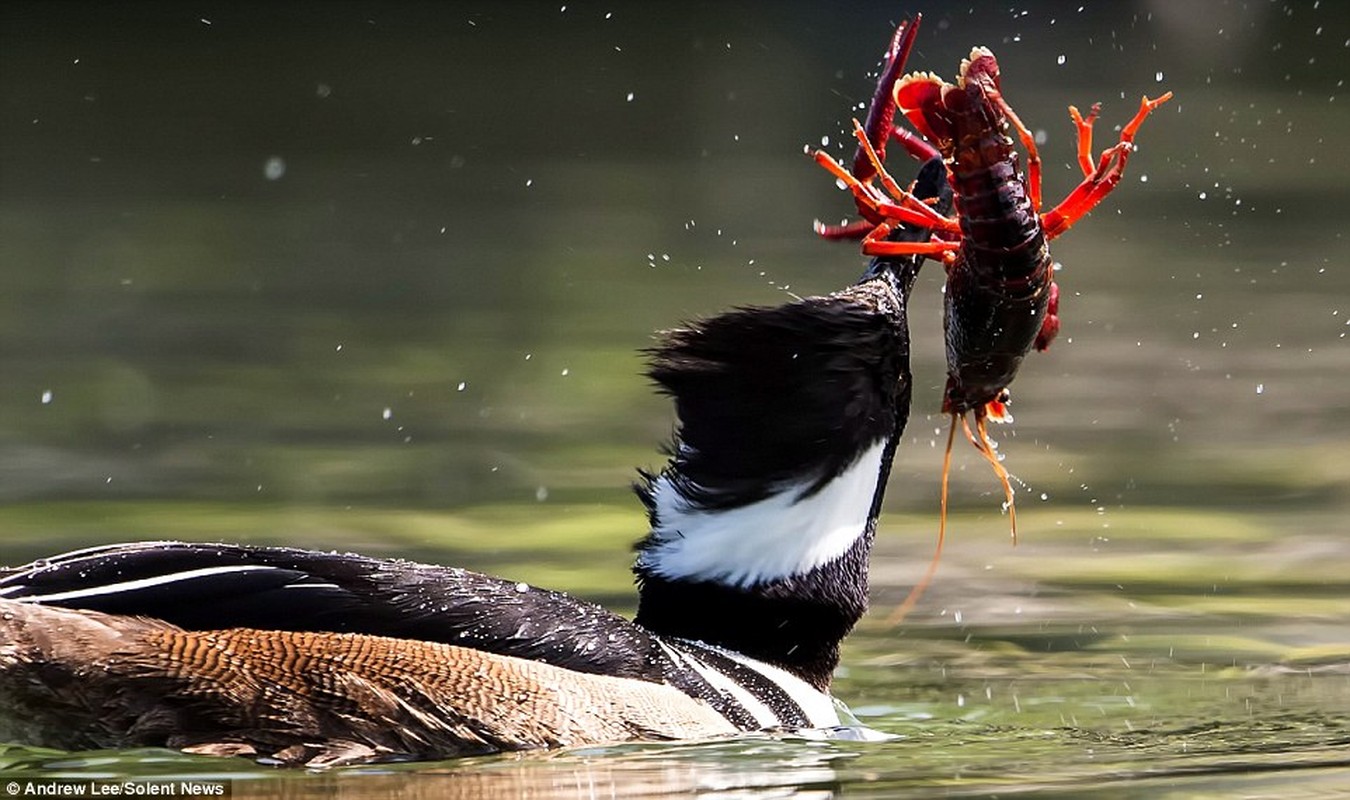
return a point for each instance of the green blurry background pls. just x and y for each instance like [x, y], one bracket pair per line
[375, 274]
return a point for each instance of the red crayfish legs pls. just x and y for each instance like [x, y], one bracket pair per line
[877, 210]
[1050, 325]
[1105, 175]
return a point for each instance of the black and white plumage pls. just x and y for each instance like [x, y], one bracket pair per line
[754, 569]
[762, 522]
[216, 586]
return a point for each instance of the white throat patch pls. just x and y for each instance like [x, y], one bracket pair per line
[782, 535]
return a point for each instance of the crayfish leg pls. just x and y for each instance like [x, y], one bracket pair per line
[875, 244]
[927, 217]
[864, 194]
[1084, 128]
[877, 208]
[914, 144]
[1050, 325]
[1103, 178]
[1146, 107]
[901, 611]
[1033, 155]
[848, 230]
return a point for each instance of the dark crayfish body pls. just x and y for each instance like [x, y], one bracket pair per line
[1001, 296]
[1000, 282]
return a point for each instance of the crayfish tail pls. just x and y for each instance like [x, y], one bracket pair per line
[912, 599]
[996, 410]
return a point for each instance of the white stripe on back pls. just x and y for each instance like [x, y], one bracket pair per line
[764, 716]
[141, 583]
[93, 553]
[818, 706]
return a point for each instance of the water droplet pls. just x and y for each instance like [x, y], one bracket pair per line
[274, 168]
[1060, 60]
[1158, 76]
[388, 413]
[47, 397]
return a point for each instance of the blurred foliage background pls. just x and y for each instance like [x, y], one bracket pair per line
[376, 275]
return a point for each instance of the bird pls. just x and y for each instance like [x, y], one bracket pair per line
[753, 570]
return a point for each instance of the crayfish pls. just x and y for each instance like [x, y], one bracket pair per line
[1001, 295]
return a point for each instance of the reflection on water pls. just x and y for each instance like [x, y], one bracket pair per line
[964, 735]
[375, 278]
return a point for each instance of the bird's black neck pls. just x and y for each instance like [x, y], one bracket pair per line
[796, 623]
[763, 521]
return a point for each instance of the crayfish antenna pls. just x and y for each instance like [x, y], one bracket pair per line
[982, 443]
[912, 599]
